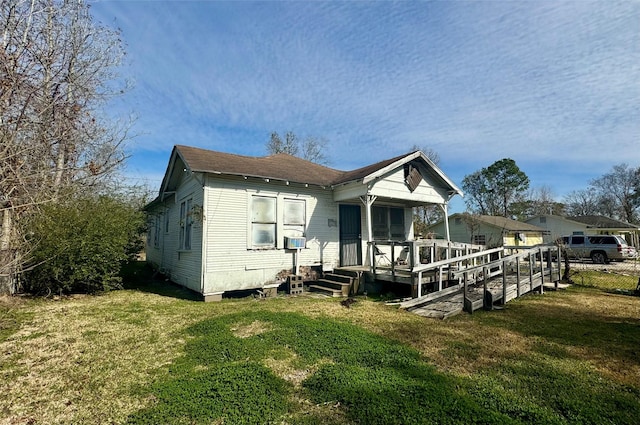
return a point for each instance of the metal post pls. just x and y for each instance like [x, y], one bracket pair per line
[518, 276]
[541, 273]
[504, 283]
[531, 259]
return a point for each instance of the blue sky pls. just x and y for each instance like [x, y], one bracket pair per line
[553, 85]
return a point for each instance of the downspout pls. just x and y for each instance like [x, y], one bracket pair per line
[205, 232]
[445, 208]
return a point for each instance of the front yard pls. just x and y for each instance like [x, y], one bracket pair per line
[152, 355]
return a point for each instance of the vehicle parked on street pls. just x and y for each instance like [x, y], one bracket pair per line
[600, 248]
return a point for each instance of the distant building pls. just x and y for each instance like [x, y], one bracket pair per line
[492, 231]
[558, 226]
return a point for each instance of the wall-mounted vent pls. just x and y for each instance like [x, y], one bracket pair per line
[295, 243]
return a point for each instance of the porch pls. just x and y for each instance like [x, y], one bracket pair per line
[485, 278]
[425, 264]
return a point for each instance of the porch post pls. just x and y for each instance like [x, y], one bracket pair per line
[446, 221]
[368, 200]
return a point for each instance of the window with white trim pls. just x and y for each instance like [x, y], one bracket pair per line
[295, 218]
[388, 223]
[263, 221]
[186, 224]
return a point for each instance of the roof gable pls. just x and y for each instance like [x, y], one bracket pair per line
[379, 169]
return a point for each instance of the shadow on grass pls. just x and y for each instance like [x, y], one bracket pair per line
[600, 330]
[138, 276]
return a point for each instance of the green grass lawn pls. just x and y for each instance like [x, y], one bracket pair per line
[150, 354]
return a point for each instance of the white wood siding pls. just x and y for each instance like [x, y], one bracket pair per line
[393, 186]
[230, 263]
[181, 266]
[557, 227]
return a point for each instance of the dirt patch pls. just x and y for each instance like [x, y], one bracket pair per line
[256, 327]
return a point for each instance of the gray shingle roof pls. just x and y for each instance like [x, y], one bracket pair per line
[508, 224]
[602, 222]
[278, 167]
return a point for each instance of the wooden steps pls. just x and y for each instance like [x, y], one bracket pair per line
[339, 283]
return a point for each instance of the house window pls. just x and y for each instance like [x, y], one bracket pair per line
[480, 239]
[294, 217]
[263, 222]
[186, 224]
[156, 231]
[388, 223]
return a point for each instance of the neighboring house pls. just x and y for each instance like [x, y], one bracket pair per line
[558, 226]
[488, 230]
[225, 222]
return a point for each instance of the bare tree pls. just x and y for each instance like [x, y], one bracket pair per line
[614, 194]
[426, 215]
[581, 202]
[310, 148]
[617, 191]
[57, 68]
[538, 201]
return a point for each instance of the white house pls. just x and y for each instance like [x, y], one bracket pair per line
[225, 222]
[558, 226]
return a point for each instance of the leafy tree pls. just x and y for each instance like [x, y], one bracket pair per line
[80, 243]
[57, 68]
[311, 148]
[493, 190]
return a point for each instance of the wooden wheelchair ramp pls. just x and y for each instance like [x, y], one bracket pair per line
[490, 284]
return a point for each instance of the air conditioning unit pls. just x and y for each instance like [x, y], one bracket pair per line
[294, 243]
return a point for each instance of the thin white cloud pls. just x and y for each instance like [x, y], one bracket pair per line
[535, 81]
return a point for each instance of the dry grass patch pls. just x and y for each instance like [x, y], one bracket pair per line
[256, 327]
[92, 360]
[77, 359]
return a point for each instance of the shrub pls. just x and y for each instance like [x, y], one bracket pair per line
[80, 244]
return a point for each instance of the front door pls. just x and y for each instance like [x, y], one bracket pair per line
[350, 235]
